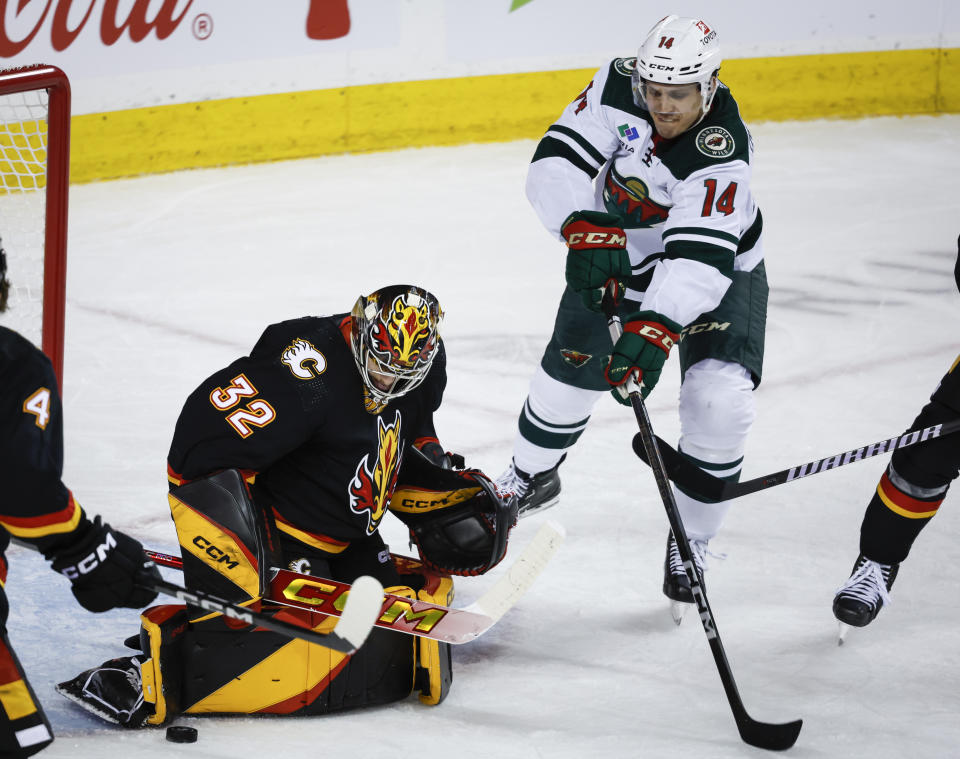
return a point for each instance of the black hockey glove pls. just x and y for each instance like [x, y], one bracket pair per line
[435, 454]
[597, 256]
[106, 567]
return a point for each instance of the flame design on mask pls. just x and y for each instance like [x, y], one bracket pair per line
[405, 334]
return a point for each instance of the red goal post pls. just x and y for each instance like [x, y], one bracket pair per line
[34, 192]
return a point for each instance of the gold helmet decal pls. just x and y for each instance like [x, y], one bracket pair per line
[405, 336]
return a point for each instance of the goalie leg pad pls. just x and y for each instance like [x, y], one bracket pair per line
[224, 538]
[162, 638]
[251, 671]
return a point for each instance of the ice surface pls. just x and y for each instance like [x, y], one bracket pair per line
[173, 276]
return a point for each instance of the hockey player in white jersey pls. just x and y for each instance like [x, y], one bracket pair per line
[646, 176]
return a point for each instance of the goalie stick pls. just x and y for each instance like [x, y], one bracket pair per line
[409, 616]
[356, 619]
[357, 614]
[690, 477]
[766, 735]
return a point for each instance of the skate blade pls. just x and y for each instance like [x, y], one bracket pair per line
[844, 628]
[530, 511]
[677, 610]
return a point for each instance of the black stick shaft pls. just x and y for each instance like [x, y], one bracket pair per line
[765, 735]
[691, 477]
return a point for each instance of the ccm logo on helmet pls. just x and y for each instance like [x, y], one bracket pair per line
[92, 560]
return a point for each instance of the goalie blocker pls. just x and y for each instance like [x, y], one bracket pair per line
[193, 661]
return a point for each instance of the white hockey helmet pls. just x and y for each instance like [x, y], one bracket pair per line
[678, 50]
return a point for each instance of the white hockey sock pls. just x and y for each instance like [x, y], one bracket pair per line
[716, 412]
[553, 418]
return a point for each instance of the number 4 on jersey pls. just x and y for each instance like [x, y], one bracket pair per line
[38, 404]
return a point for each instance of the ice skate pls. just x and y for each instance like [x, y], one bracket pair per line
[535, 492]
[676, 584]
[858, 601]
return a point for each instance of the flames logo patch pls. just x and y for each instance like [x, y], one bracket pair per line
[376, 475]
[303, 359]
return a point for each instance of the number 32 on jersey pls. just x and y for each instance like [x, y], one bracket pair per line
[252, 414]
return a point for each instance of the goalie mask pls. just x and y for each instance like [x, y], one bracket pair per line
[395, 334]
[457, 519]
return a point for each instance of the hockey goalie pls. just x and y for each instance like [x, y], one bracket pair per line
[291, 457]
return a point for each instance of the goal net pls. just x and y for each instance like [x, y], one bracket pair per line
[34, 180]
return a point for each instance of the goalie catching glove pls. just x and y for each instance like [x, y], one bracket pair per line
[457, 519]
[106, 568]
[597, 256]
[641, 351]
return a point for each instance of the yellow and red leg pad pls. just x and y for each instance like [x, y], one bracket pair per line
[163, 633]
[253, 670]
[434, 659]
[225, 540]
[24, 729]
[214, 665]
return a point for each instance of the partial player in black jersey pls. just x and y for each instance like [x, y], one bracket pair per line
[102, 564]
[907, 497]
[291, 457]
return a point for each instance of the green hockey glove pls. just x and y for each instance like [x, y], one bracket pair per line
[597, 255]
[641, 351]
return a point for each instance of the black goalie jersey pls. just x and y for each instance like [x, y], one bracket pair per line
[296, 413]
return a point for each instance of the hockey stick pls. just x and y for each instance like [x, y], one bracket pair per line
[775, 737]
[356, 620]
[357, 613]
[694, 479]
[419, 618]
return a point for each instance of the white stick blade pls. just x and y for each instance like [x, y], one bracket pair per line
[508, 589]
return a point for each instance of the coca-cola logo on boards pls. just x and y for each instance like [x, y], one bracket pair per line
[22, 20]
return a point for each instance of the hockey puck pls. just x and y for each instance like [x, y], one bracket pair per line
[181, 734]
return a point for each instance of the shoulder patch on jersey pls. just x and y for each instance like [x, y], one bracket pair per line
[625, 66]
[303, 359]
[715, 142]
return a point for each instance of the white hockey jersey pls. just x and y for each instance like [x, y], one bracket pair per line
[685, 203]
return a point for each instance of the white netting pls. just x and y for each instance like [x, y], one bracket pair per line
[23, 181]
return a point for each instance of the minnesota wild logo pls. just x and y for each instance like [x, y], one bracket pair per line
[575, 358]
[625, 66]
[716, 142]
[629, 198]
